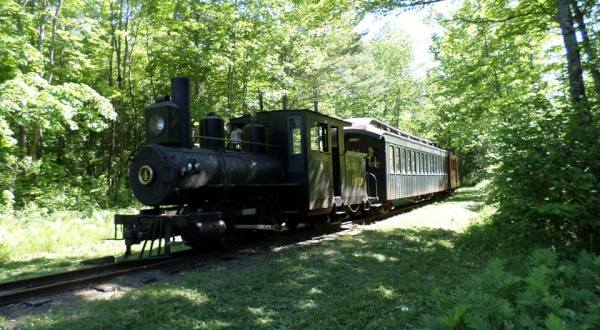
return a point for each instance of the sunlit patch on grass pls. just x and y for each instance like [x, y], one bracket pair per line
[306, 304]
[385, 292]
[329, 252]
[376, 256]
[315, 291]
[263, 317]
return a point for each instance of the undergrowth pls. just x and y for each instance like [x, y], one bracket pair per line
[36, 241]
[547, 292]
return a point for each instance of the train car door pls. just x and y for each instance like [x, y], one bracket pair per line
[320, 168]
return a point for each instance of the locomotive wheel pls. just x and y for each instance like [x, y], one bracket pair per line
[231, 240]
[202, 245]
[291, 225]
[320, 223]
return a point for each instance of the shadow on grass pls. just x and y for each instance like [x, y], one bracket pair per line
[375, 279]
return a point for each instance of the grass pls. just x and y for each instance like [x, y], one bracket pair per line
[377, 279]
[36, 242]
[373, 280]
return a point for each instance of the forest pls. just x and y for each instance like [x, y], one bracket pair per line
[515, 91]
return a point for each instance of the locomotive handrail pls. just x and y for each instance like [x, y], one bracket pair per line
[198, 137]
[376, 189]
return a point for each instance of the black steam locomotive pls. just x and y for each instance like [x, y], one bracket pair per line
[275, 170]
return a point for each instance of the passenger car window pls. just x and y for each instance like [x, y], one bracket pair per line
[402, 160]
[398, 163]
[373, 156]
[391, 160]
[354, 144]
[414, 162]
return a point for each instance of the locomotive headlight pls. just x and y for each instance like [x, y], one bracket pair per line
[156, 124]
[145, 175]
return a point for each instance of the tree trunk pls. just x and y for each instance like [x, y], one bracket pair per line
[284, 101]
[230, 89]
[22, 141]
[36, 143]
[574, 68]
[41, 28]
[60, 147]
[587, 46]
[53, 42]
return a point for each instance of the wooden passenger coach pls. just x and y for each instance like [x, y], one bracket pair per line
[401, 167]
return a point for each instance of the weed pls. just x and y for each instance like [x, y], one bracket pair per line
[35, 241]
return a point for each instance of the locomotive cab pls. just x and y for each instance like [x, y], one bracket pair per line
[311, 147]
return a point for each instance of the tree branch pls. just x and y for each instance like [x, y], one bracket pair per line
[493, 21]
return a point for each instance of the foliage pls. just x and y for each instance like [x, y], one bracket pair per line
[548, 292]
[76, 75]
[35, 241]
[500, 96]
[560, 196]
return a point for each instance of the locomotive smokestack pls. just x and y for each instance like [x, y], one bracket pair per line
[180, 91]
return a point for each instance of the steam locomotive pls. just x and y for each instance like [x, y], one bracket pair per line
[275, 170]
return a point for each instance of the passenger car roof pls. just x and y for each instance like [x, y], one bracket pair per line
[381, 129]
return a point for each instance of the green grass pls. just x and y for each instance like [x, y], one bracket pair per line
[374, 280]
[377, 279]
[35, 241]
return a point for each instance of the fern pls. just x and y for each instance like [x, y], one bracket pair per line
[549, 293]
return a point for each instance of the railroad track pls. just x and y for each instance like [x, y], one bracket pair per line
[42, 286]
[21, 290]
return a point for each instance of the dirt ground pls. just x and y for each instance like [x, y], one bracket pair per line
[455, 216]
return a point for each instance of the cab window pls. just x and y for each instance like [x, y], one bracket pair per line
[295, 129]
[319, 138]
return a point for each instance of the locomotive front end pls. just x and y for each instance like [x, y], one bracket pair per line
[195, 190]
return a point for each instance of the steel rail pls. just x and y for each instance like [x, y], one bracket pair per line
[17, 291]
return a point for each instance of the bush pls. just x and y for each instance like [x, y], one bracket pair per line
[37, 232]
[7, 199]
[548, 293]
[547, 176]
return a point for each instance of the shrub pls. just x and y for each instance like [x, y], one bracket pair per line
[7, 199]
[547, 176]
[548, 293]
